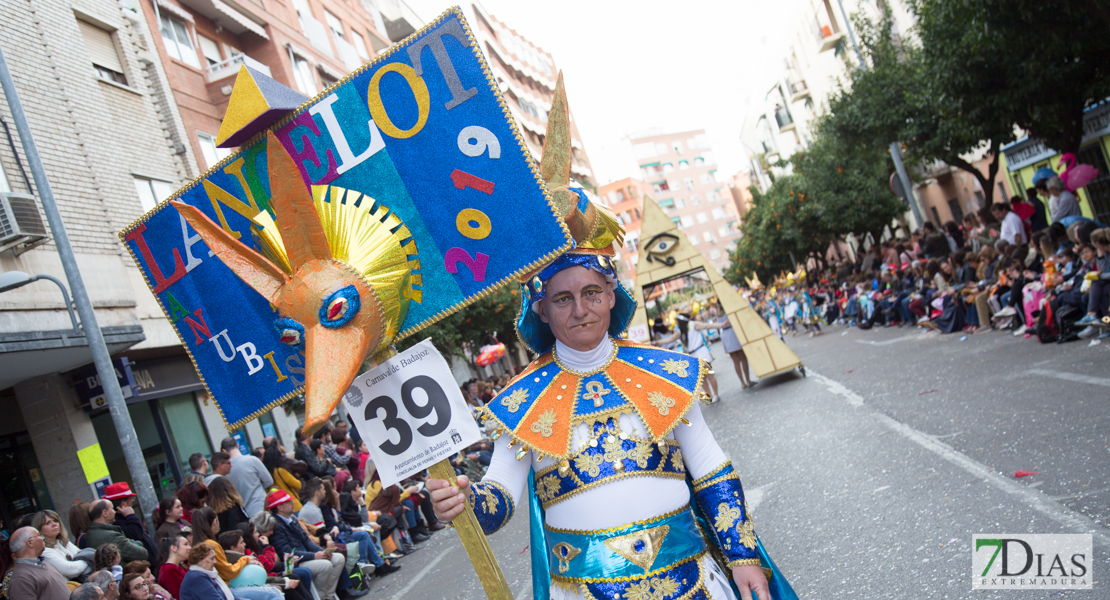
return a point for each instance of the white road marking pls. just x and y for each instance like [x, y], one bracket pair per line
[837, 388]
[903, 338]
[879, 489]
[1072, 377]
[1066, 517]
[420, 576]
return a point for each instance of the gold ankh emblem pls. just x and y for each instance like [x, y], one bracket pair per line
[596, 392]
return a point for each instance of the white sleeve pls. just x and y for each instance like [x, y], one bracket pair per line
[69, 569]
[700, 450]
[506, 470]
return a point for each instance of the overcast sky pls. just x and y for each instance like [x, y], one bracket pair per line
[630, 66]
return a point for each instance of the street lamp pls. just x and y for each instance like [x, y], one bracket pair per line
[10, 280]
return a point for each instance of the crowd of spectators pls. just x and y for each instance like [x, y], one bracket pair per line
[1010, 267]
[315, 523]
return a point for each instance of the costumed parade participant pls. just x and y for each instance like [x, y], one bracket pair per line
[604, 441]
[691, 334]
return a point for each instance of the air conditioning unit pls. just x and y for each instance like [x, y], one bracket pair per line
[21, 227]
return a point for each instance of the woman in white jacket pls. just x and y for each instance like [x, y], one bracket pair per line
[59, 552]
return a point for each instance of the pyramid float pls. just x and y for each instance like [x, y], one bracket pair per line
[767, 354]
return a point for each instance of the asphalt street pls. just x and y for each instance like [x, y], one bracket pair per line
[869, 476]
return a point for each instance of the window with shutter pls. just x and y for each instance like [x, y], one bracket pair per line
[102, 52]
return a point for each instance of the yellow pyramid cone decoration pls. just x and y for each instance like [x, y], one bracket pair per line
[767, 354]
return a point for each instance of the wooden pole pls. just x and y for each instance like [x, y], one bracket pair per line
[474, 540]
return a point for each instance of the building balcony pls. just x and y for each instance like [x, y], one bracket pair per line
[230, 67]
[400, 20]
[798, 89]
[829, 40]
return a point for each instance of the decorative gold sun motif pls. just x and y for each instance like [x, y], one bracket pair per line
[514, 400]
[641, 453]
[589, 464]
[543, 424]
[676, 367]
[548, 487]
[747, 533]
[614, 452]
[676, 459]
[655, 588]
[489, 499]
[661, 402]
[726, 516]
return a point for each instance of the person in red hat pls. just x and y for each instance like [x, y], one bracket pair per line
[290, 538]
[130, 523]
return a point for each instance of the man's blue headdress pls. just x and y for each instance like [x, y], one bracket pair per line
[595, 230]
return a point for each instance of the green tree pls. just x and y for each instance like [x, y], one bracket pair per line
[474, 326]
[778, 223]
[1027, 62]
[904, 95]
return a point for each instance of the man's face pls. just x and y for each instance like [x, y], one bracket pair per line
[109, 515]
[35, 545]
[204, 466]
[577, 307]
[998, 213]
[224, 469]
[285, 509]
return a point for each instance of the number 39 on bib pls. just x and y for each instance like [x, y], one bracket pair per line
[410, 412]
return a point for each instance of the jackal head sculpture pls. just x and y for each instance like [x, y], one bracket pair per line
[338, 267]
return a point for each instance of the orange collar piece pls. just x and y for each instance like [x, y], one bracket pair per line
[541, 407]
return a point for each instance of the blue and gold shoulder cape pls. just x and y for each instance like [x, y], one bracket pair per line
[541, 407]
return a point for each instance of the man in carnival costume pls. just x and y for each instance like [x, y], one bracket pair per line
[630, 495]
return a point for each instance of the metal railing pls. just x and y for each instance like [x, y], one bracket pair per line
[229, 67]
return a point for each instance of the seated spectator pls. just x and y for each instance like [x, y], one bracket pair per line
[131, 524]
[283, 478]
[59, 552]
[102, 530]
[319, 450]
[192, 496]
[224, 499]
[175, 553]
[79, 522]
[327, 566]
[1013, 231]
[134, 587]
[1062, 203]
[142, 568]
[86, 591]
[206, 528]
[256, 536]
[168, 521]
[107, 558]
[106, 583]
[30, 576]
[1098, 295]
[369, 559]
[202, 582]
[221, 466]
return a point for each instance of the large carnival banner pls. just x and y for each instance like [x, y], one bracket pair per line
[423, 138]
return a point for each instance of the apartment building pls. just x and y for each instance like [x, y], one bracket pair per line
[625, 198]
[526, 75]
[304, 44]
[682, 173]
[125, 98]
[739, 188]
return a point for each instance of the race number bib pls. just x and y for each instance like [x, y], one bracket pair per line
[410, 412]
